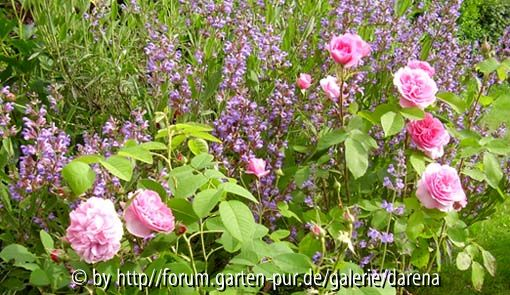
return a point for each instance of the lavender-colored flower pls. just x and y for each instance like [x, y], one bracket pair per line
[386, 238]
[373, 234]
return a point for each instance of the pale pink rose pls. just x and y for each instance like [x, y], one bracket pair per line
[418, 64]
[257, 167]
[330, 86]
[304, 81]
[147, 213]
[95, 230]
[348, 49]
[416, 88]
[440, 188]
[429, 135]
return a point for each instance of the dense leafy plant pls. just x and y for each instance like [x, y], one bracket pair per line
[245, 137]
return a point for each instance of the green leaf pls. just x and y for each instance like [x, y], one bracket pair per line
[418, 162]
[279, 234]
[79, 176]
[477, 275]
[453, 100]
[392, 123]
[421, 255]
[499, 147]
[487, 66]
[286, 212]
[238, 220]
[356, 157]
[292, 262]
[492, 170]
[89, 159]
[154, 145]
[118, 166]
[205, 136]
[47, 241]
[153, 186]
[474, 174]
[182, 210]
[463, 261]
[198, 146]
[415, 225]
[202, 161]
[19, 253]
[489, 262]
[183, 183]
[302, 174]
[236, 189]
[137, 153]
[331, 138]
[38, 277]
[205, 201]
[412, 113]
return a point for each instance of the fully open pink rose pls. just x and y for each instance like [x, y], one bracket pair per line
[348, 49]
[418, 64]
[440, 188]
[304, 81]
[147, 214]
[330, 86]
[416, 88]
[257, 167]
[429, 135]
[95, 230]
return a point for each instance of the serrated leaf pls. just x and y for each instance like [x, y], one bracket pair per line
[79, 176]
[19, 253]
[292, 262]
[331, 138]
[238, 220]
[236, 189]
[198, 146]
[418, 163]
[154, 145]
[492, 169]
[413, 113]
[47, 241]
[118, 166]
[453, 100]
[138, 153]
[392, 123]
[487, 66]
[205, 201]
[38, 277]
[89, 159]
[356, 157]
[202, 161]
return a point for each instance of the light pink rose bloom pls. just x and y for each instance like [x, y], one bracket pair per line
[330, 86]
[416, 88]
[440, 188]
[257, 167]
[429, 135]
[304, 81]
[95, 230]
[418, 64]
[348, 49]
[147, 213]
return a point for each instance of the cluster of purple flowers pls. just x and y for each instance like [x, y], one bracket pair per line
[42, 156]
[7, 126]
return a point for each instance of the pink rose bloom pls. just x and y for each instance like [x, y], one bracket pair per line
[304, 81]
[348, 49]
[429, 135]
[330, 86]
[147, 213]
[257, 167]
[440, 188]
[418, 64]
[95, 230]
[416, 88]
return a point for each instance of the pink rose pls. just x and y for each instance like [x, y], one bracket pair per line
[95, 230]
[147, 214]
[440, 188]
[416, 88]
[330, 86]
[257, 167]
[429, 135]
[418, 64]
[348, 49]
[304, 81]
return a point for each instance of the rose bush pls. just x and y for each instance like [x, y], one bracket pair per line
[228, 137]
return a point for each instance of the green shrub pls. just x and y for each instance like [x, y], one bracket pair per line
[484, 19]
